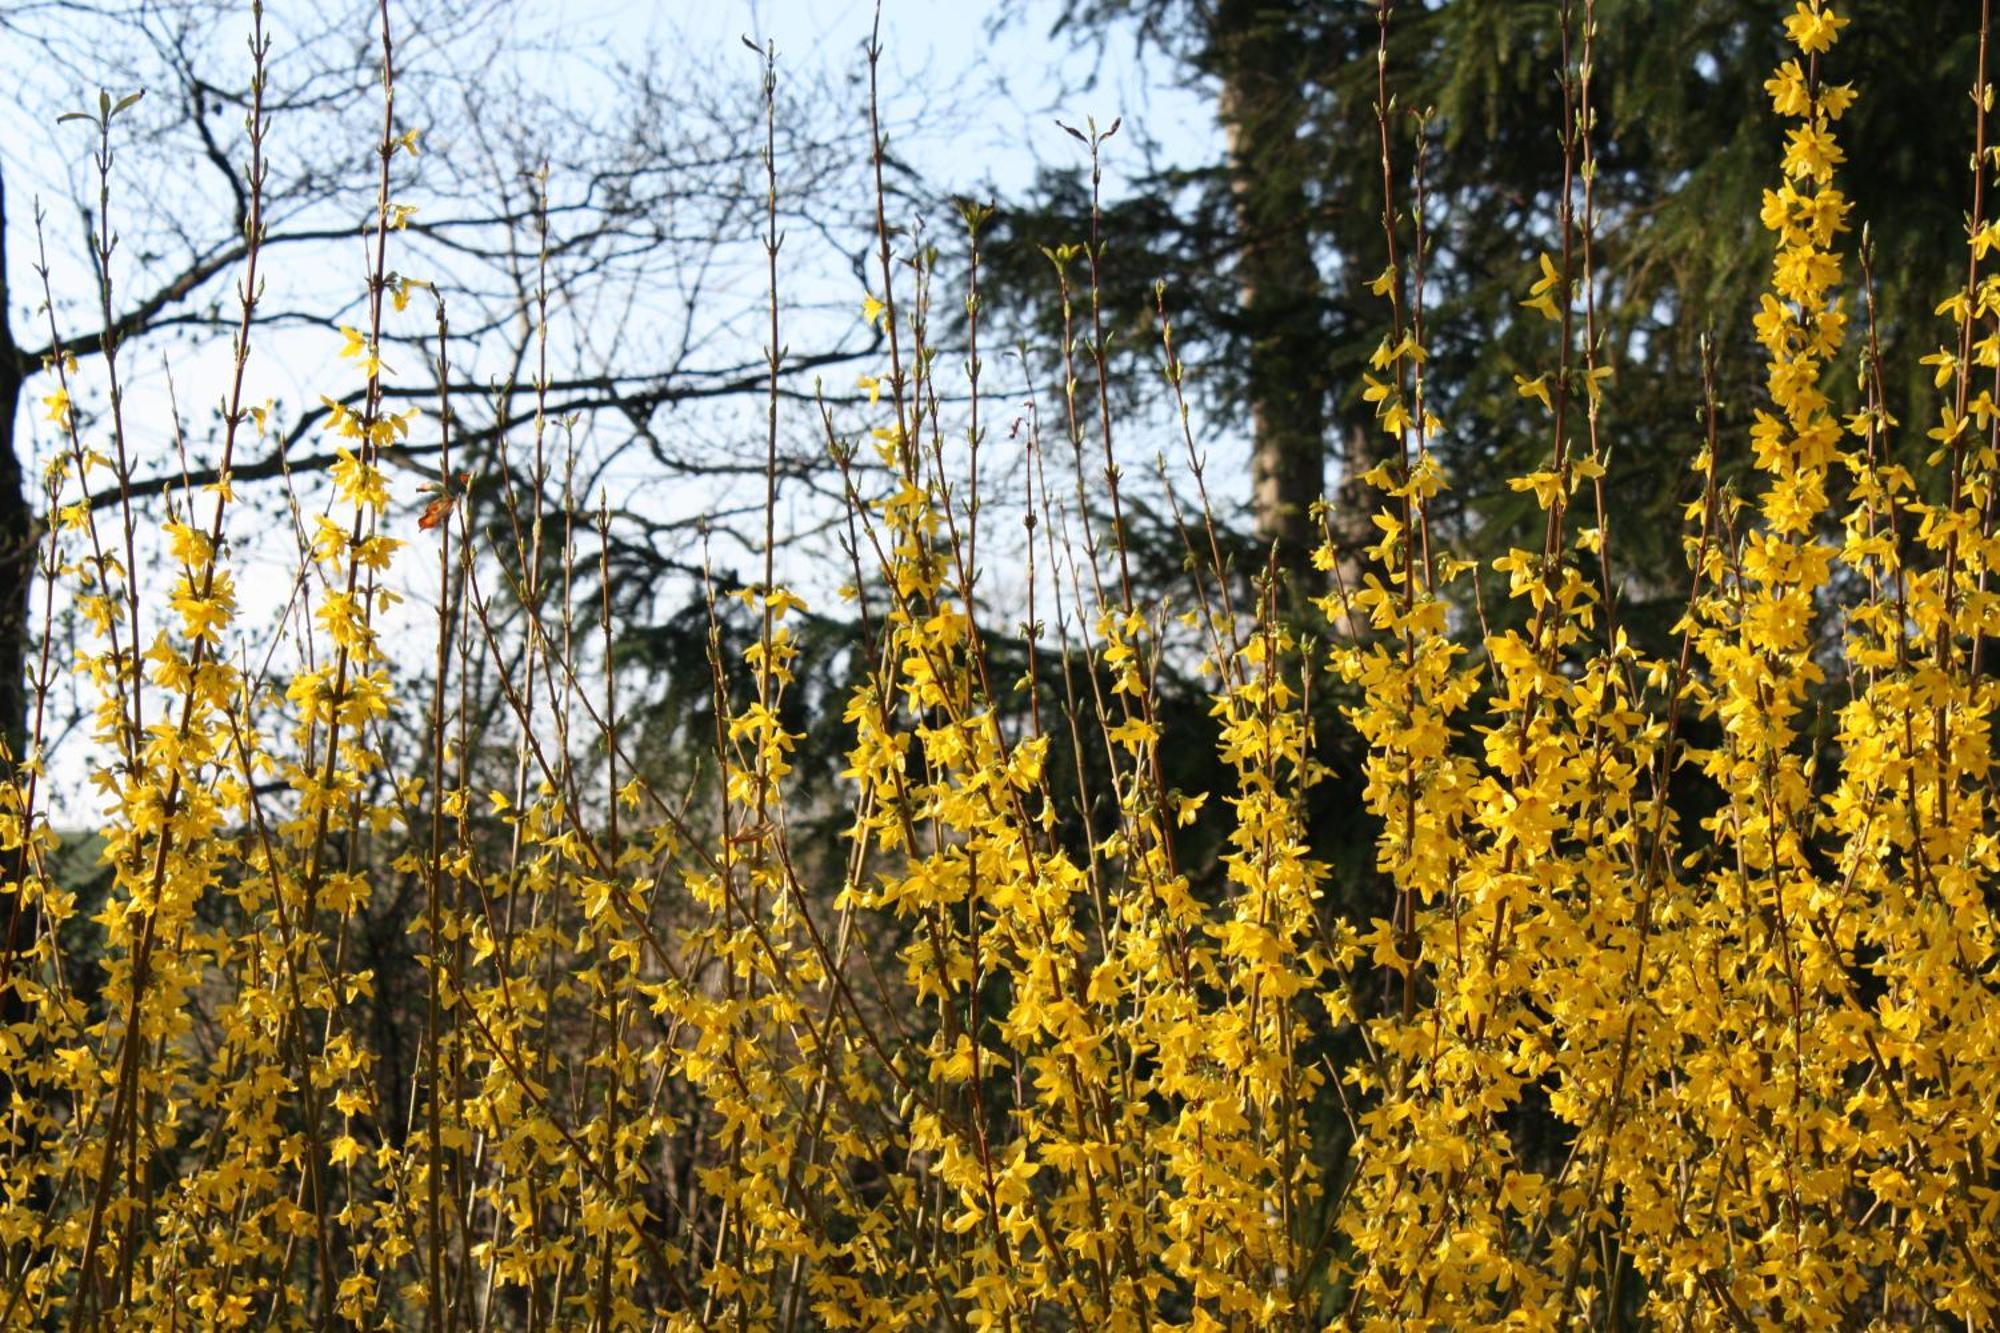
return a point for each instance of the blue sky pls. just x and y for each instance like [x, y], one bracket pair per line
[973, 105]
[989, 99]
[1002, 89]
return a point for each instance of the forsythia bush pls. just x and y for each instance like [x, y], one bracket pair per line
[1718, 924]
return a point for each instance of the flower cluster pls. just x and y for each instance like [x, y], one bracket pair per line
[1670, 1001]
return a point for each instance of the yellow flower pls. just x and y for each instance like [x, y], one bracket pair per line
[1813, 26]
[1542, 296]
[57, 407]
[1537, 388]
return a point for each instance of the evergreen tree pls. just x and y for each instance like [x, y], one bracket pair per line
[1268, 249]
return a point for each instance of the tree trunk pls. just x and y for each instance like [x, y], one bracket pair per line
[1289, 371]
[1351, 518]
[17, 560]
[18, 922]
[17, 526]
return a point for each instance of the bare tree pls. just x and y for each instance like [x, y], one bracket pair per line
[618, 191]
